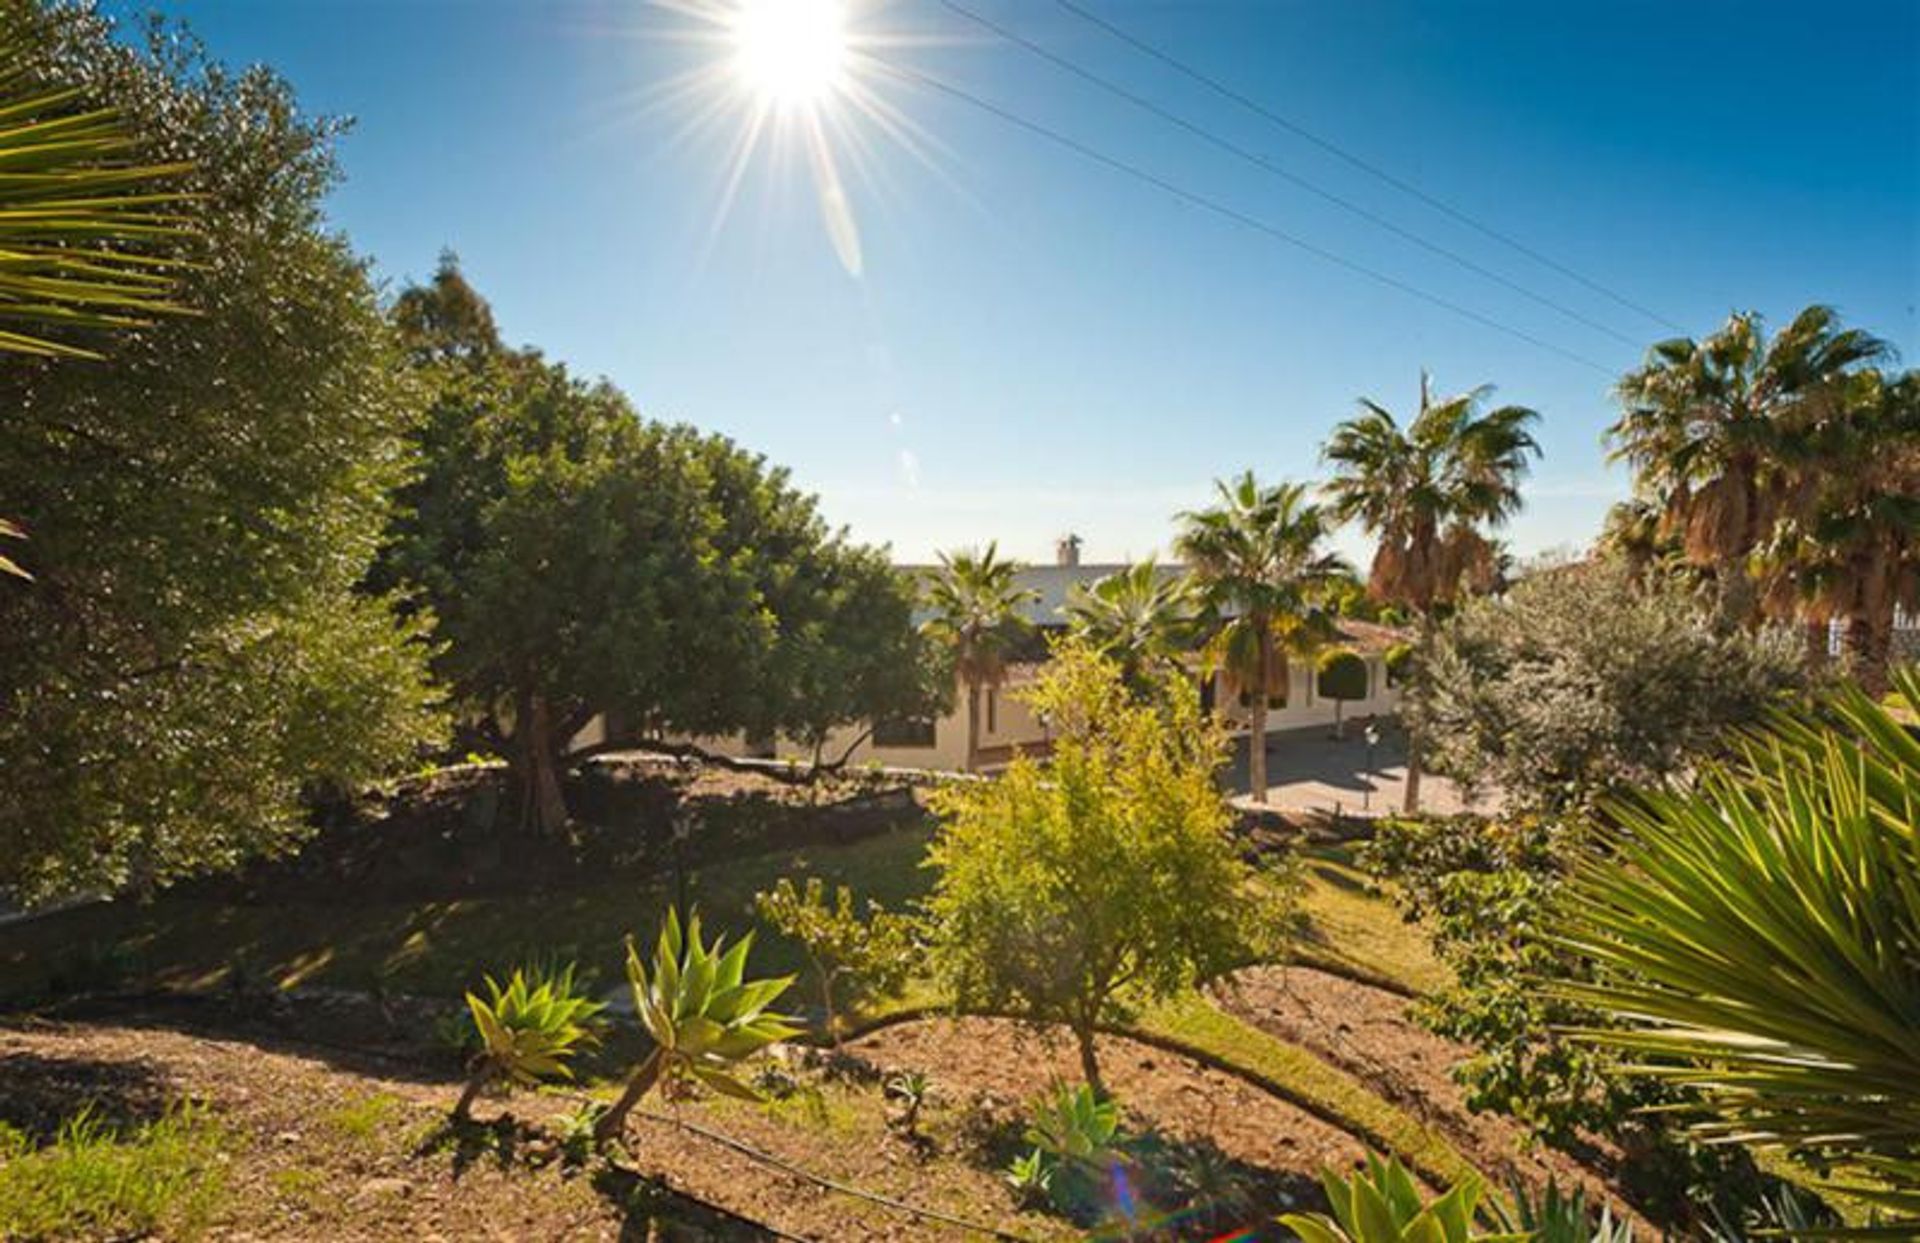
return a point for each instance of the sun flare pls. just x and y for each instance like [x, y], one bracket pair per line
[790, 52]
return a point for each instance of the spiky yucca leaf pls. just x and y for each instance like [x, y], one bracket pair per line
[1760, 937]
[82, 225]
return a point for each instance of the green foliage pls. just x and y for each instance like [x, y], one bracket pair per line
[85, 232]
[1399, 663]
[1557, 1216]
[910, 1090]
[1075, 1125]
[1031, 1176]
[193, 656]
[1483, 887]
[1575, 686]
[167, 1177]
[579, 561]
[1384, 1205]
[1142, 618]
[529, 1029]
[1069, 891]
[702, 1012]
[1755, 938]
[851, 956]
[1342, 675]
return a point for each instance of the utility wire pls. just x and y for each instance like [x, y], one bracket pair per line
[1374, 170]
[1262, 162]
[1228, 212]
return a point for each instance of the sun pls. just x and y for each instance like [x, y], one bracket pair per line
[790, 53]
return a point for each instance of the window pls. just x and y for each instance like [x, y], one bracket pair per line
[993, 709]
[903, 733]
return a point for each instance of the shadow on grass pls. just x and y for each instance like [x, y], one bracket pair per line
[38, 1094]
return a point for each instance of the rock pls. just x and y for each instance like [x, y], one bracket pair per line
[381, 1189]
[287, 1137]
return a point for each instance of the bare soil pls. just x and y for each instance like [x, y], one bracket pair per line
[1368, 1032]
[328, 1143]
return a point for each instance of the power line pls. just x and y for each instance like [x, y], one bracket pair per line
[1262, 162]
[1228, 212]
[1337, 151]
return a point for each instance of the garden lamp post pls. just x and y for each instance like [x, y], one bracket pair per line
[1373, 740]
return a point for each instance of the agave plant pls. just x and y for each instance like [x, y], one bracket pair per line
[1031, 1177]
[702, 1012]
[1075, 1124]
[528, 1031]
[1756, 937]
[1383, 1205]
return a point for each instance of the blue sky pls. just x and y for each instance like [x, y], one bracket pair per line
[1036, 343]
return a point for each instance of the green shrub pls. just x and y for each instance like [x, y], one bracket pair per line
[166, 1177]
[1556, 1216]
[528, 1030]
[851, 957]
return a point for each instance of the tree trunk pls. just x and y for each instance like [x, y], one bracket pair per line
[1869, 640]
[613, 1123]
[826, 1001]
[1089, 1064]
[1339, 719]
[973, 726]
[463, 1108]
[543, 803]
[1257, 727]
[1818, 646]
[1418, 685]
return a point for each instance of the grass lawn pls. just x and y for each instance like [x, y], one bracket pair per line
[1351, 932]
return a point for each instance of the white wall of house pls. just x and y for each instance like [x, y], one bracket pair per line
[1007, 722]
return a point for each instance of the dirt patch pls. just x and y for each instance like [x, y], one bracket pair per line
[1368, 1032]
[326, 1144]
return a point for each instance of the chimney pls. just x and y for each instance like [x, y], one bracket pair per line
[1066, 550]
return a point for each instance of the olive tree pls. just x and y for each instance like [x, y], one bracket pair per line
[192, 658]
[1066, 892]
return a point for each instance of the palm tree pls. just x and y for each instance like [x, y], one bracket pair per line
[1260, 567]
[1716, 431]
[1429, 493]
[1140, 618]
[977, 619]
[1849, 545]
[74, 219]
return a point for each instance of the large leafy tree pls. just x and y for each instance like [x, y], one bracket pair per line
[1142, 618]
[193, 658]
[1757, 934]
[976, 603]
[580, 561]
[1721, 433]
[1069, 891]
[1429, 493]
[1259, 562]
[1847, 546]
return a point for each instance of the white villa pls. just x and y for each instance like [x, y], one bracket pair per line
[1007, 726]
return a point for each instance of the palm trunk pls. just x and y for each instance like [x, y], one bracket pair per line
[613, 1123]
[973, 726]
[1257, 727]
[1418, 686]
